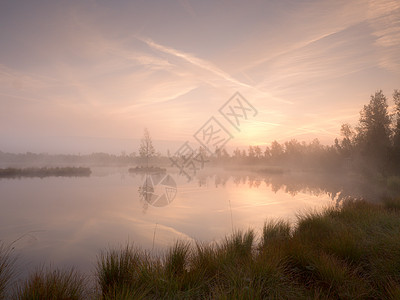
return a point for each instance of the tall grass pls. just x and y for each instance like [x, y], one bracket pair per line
[351, 252]
[53, 284]
[124, 272]
[6, 269]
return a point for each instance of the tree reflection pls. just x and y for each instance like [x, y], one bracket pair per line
[336, 187]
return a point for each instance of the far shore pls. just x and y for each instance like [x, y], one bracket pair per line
[45, 172]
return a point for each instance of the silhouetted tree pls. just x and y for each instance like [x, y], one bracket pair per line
[346, 145]
[251, 154]
[146, 149]
[396, 130]
[373, 146]
[203, 152]
[267, 153]
[225, 155]
[293, 150]
[276, 151]
[237, 154]
[373, 132]
[257, 152]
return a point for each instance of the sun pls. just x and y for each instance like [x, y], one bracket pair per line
[255, 133]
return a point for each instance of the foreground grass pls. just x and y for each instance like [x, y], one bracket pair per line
[6, 269]
[352, 252]
[53, 284]
[347, 253]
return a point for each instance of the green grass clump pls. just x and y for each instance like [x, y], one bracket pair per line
[6, 269]
[124, 273]
[351, 252]
[53, 284]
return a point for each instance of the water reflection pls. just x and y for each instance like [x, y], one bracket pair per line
[72, 218]
[158, 189]
[336, 187]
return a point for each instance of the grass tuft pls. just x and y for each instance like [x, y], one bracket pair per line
[239, 245]
[176, 259]
[274, 231]
[53, 284]
[347, 252]
[122, 271]
[350, 252]
[6, 269]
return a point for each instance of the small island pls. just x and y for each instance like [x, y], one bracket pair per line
[147, 152]
[45, 172]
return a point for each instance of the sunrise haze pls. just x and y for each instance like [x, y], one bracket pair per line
[88, 76]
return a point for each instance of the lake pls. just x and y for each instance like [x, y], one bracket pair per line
[67, 221]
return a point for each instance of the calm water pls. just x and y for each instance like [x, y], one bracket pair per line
[67, 221]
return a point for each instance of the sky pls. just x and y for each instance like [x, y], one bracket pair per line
[89, 76]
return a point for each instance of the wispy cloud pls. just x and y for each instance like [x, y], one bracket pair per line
[384, 19]
[227, 79]
[115, 69]
[203, 64]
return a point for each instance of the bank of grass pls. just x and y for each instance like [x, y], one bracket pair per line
[53, 284]
[351, 252]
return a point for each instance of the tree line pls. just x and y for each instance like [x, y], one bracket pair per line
[372, 145]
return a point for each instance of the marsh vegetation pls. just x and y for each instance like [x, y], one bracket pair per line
[347, 252]
[44, 172]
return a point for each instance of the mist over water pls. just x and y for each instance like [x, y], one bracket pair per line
[66, 221]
